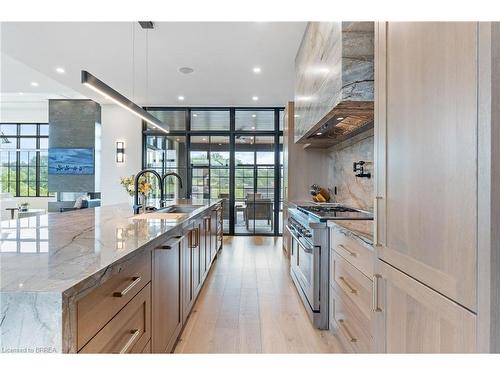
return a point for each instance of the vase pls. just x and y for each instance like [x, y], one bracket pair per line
[144, 201]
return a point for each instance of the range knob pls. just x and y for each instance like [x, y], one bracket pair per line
[307, 233]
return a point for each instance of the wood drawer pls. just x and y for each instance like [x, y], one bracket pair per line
[129, 331]
[355, 285]
[147, 348]
[360, 256]
[99, 306]
[350, 325]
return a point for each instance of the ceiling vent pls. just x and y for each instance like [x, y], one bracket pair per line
[147, 24]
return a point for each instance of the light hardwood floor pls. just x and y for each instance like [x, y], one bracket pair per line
[249, 305]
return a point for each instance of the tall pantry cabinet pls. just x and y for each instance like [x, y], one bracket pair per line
[434, 129]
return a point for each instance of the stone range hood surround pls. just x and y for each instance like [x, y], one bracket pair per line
[334, 86]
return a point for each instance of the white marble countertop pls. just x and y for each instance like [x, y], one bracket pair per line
[56, 251]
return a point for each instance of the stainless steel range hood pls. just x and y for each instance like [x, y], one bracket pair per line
[334, 82]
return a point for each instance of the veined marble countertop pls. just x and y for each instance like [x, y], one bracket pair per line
[47, 262]
[56, 251]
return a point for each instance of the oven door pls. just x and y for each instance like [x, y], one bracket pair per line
[305, 266]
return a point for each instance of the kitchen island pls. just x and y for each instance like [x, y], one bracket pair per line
[67, 279]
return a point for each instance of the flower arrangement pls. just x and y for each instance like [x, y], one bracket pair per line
[128, 184]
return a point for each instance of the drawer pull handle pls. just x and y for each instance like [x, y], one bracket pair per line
[172, 244]
[164, 247]
[135, 280]
[128, 344]
[375, 305]
[353, 291]
[351, 253]
[348, 333]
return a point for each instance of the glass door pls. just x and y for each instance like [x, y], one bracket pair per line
[209, 158]
[200, 163]
[233, 154]
[254, 184]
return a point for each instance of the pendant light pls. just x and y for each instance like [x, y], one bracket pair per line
[108, 92]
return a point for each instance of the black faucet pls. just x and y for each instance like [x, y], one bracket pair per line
[137, 206]
[163, 183]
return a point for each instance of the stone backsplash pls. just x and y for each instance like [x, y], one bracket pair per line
[351, 190]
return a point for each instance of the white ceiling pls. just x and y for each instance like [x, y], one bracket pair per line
[221, 53]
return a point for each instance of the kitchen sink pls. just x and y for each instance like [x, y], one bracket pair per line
[181, 209]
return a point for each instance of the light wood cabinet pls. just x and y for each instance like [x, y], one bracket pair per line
[426, 156]
[351, 290]
[167, 311]
[361, 256]
[412, 318]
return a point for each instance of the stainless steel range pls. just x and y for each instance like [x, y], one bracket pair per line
[309, 254]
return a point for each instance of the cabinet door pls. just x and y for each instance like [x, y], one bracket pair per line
[167, 311]
[426, 157]
[187, 278]
[215, 225]
[412, 318]
[195, 256]
[203, 248]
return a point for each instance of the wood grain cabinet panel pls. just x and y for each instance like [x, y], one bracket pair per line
[129, 331]
[355, 286]
[360, 256]
[351, 326]
[167, 311]
[214, 225]
[426, 131]
[187, 277]
[413, 318]
[147, 348]
[99, 306]
[196, 257]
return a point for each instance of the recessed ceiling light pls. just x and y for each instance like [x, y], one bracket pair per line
[180, 97]
[340, 118]
[60, 70]
[254, 115]
[186, 70]
[34, 84]
[255, 98]
[257, 70]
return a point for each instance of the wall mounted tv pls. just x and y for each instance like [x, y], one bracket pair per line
[79, 161]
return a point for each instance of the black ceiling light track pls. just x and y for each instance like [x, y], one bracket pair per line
[100, 87]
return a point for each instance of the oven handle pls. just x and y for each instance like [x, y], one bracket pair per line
[306, 249]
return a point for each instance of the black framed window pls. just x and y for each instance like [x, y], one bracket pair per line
[209, 148]
[24, 159]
